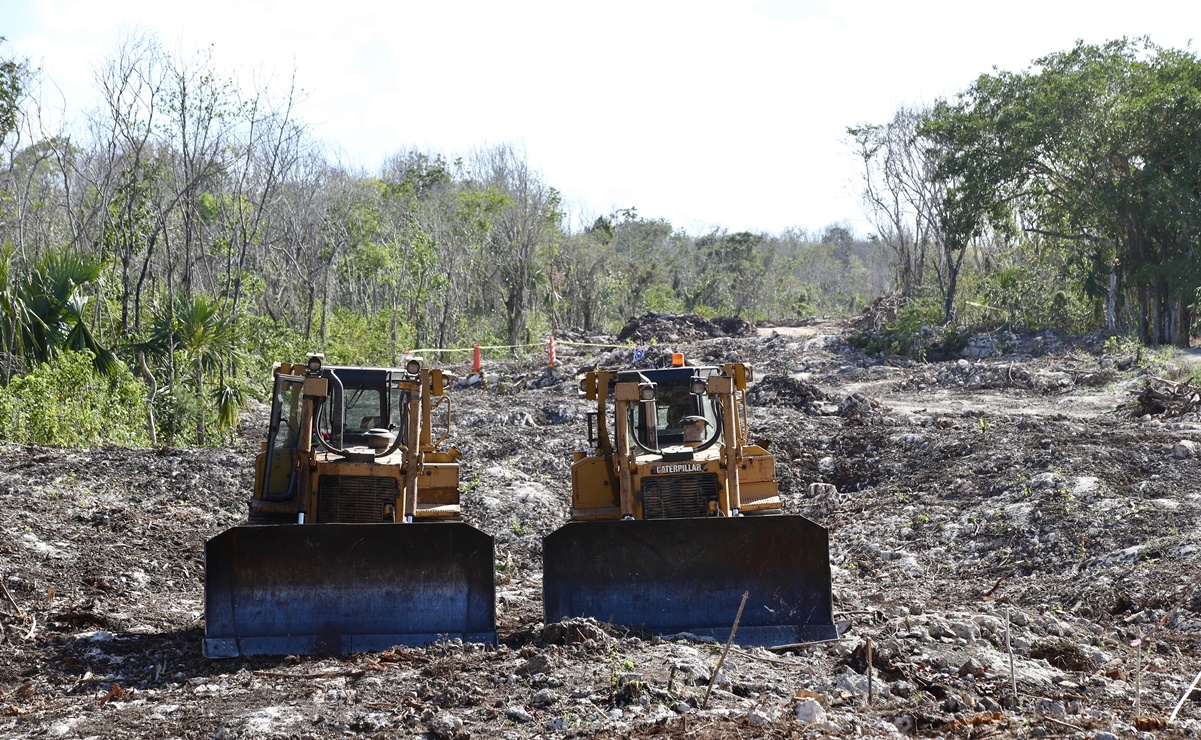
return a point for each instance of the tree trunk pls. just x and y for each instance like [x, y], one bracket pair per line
[1111, 305]
[1144, 314]
[200, 428]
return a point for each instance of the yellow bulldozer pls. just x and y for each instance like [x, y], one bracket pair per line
[354, 539]
[675, 514]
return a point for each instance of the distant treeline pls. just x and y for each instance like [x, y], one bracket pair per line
[193, 220]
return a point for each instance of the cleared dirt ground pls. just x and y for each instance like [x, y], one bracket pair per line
[1013, 488]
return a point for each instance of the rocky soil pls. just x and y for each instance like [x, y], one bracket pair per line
[1016, 491]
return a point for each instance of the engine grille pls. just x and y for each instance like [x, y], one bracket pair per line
[354, 498]
[678, 496]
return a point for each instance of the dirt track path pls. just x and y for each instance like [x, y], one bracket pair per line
[991, 403]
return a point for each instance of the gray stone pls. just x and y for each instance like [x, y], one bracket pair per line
[972, 668]
[1185, 448]
[518, 714]
[965, 630]
[939, 627]
[445, 725]
[544, 698]
[853, 683]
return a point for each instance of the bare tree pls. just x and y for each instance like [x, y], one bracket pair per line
[521, 231]
[899, 192]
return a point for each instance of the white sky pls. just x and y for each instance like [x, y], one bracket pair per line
[728, 114]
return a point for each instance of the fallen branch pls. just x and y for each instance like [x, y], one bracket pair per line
[722, 659]
[1061, 723]
[352, 673]
[1186, 695]
[799, 645]
[8, 593]
[765, 659]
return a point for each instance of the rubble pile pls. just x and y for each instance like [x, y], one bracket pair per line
[677, 327]
[1162, 397]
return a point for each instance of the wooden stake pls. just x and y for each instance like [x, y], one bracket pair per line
[722, 659]
[1138, 677]
[1013, 678]
[869, 671]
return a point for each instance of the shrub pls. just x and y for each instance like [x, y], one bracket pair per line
[65, 402]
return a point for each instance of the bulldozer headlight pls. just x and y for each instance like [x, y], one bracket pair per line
[698, 386]
[646, 391]
[315, 364]
[413, 367]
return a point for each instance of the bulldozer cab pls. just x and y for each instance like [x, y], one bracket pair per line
[283, 435]
[674, 402]
[372, 401]
[366, 399]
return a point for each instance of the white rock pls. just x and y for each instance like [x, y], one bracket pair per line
[810, 712]
[1084, 484]
[818, 342]
[1185, 448]
[760, 716]
[966, 630]
[518, 714]
[97, 636]
[1044, 480]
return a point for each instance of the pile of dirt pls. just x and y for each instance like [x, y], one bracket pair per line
[785, 391]
[685, 327]
[782, 391]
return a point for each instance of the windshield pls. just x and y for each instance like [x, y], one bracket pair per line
[364, 409]
[673, 403]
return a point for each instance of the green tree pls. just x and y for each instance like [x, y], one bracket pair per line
[1095, 147]
[14, 76]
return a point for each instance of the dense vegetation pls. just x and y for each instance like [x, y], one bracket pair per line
[1053, 195]
[191, 221]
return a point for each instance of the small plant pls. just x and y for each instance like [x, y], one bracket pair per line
[516, 527]
[983, 425]
[626, 685]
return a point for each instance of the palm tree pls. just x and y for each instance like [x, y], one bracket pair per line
[196, 329]
[42, 310]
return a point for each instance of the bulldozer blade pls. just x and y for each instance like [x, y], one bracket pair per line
[346, 588]
[669, 576]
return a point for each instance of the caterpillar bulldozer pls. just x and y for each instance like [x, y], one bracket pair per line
[676, 514]
[354, 540]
